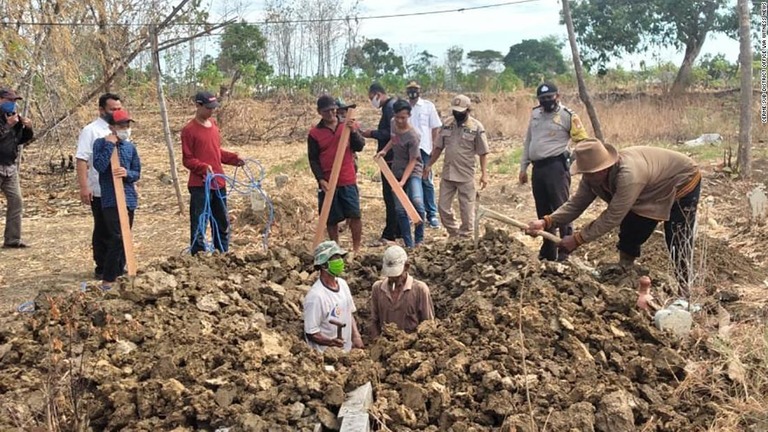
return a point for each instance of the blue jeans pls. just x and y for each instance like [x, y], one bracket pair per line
[416, 196]
[218, 219]
[430, 206]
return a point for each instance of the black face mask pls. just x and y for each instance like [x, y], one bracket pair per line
[413, 94]
[549, 105]
[460, 116]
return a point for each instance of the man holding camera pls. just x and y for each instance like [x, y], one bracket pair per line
[14, 132]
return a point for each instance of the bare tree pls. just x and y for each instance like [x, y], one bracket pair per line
[583, 93]
[744, 159]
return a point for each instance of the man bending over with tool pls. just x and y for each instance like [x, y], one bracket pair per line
[328, 306]
[399, 298]
[203, 155]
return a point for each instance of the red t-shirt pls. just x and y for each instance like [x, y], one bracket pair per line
[201, 147]
[328, 141]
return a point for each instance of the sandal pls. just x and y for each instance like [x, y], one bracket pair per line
[19, 245]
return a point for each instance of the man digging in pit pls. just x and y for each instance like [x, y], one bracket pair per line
[399, 298]
[328, 306]
[322, 144]
[642, 186]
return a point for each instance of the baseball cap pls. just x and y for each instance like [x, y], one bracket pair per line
[413, 84]
[343, 105]
[119, 116]
[325, 102]
[460, 103]
[546, 89]
[206, 99]
[394, 261]
[9, 94]
[325, 250]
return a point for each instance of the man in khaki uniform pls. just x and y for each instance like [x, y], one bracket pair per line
[642, 186]
[462, 137]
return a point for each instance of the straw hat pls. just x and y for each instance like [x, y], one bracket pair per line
[591, 156]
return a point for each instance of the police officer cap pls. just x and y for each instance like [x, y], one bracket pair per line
[546, 89]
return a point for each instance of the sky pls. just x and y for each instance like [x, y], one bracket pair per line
[494, 28]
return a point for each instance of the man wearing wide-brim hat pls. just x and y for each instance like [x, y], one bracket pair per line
[642, 186]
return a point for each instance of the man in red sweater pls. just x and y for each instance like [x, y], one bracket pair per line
[322, 143]
[202, 154]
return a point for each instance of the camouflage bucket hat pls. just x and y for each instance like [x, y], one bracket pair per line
[325, 250]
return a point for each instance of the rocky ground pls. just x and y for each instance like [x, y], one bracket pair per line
[215, 342]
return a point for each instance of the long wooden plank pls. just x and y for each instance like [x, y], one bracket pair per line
[501, 218]
[398, 190]
[325, 211]
[125, 223]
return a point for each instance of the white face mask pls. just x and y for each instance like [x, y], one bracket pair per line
[375, 102]
[124, 135]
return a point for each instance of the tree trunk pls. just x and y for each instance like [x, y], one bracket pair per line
[744, 159]
[683, 78]
[583, 93]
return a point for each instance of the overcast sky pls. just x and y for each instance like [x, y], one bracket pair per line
[494, 28]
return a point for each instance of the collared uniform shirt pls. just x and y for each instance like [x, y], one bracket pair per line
[90, 133]
[549, 133]
[460, 145]
[424, 118]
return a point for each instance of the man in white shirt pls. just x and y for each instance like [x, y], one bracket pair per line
[88, 178]
[328, 306]
[425, 119]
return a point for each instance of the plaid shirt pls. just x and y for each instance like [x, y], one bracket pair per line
[129, 159]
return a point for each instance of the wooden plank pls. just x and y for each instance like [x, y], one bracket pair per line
[325, 211]
[398, 190]
[122, 211]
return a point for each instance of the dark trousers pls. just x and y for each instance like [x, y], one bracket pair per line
[100, 236]
[678, 233]
[114, 260]
[391, 229]
[218, 219]
[551, 183]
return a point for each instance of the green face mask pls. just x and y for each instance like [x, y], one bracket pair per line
[336, 267]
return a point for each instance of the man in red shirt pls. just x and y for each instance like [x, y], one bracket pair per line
[322, 142]
[202, 154]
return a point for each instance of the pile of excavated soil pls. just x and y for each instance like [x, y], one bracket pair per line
[215, 342]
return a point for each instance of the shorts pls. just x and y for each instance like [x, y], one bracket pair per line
[346, 204]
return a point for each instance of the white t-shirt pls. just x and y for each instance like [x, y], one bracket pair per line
[93, 131]
[322, 305]
[424, 118]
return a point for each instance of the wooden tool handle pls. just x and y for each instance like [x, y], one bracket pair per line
[398, 190]
[500, 217]
[122, 211]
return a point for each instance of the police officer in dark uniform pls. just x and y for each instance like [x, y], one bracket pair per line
[545, 147]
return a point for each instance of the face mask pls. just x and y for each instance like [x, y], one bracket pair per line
[336, 267]
[549, 105]
[376, 102]
[124, 135]
[413, 94]
[460, 116]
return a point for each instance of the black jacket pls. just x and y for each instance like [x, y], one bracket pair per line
[384, 131]
[10, 140]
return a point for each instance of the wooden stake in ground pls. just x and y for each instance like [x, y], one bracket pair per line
[325, 211]
[125, 223]
[583, 93]
[398, 190]
[744, 159]
[164, 116]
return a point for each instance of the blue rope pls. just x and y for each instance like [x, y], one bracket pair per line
[247, 186]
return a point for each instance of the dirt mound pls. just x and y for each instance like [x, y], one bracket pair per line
[200, 344]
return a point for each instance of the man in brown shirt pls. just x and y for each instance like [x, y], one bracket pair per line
[399, 298]
[642, 186]
[462, 138]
